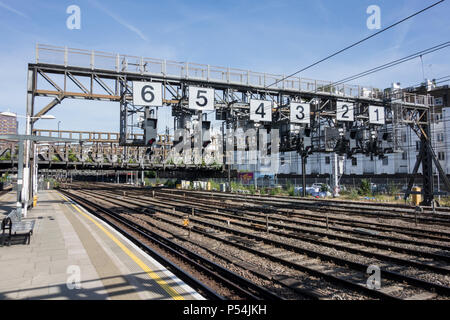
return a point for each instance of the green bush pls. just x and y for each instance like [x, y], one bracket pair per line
[150, 174]
[170, 183]
[392, 189]
[214, 184]
[72, 157]
[364, 188]
[324, 188]
[4, 177]
[291, 190]
[6, 156]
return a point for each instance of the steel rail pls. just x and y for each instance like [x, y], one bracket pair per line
[337, 229]
[212, 269]
[357, 266]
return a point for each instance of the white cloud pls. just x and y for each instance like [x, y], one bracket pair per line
[120, 21]
[13, 10]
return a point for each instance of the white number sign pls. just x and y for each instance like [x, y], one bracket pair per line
[260, 110]
[300, 112]
[147, 93]
[376, 115]
[345, 111]
[201, 98]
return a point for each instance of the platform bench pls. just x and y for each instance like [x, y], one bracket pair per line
[13, 225]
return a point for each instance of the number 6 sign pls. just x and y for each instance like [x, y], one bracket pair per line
[147, 94]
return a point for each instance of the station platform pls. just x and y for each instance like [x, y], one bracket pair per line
[75, 256]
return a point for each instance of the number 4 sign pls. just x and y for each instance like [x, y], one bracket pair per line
[376, 115]
[260, 110]
[147, 94]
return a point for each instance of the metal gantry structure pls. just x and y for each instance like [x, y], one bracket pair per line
[340, 118]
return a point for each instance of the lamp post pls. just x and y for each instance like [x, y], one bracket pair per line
[25, 179]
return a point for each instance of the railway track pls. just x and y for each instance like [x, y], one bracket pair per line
[291, 247]
[317, 224]
[230, 285]
[351, 209]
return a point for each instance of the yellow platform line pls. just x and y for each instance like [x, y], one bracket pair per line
[172, 292]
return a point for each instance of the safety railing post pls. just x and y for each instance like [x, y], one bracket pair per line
[66, 54]
[37, 53]
[92, 59]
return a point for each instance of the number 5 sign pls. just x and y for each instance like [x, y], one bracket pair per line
[147, 94]
[300, 113]
[201, 98]
[260, 110]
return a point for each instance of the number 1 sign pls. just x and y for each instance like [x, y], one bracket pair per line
[376, 115]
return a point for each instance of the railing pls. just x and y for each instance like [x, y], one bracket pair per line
[186, 70]
[86, 136]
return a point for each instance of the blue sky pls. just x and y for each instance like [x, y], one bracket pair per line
[267, 36]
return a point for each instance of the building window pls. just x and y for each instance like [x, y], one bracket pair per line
[404, 137]
[404, 156]
[417, 145]
[385, 161]
[440, 137]
[354, 162]
[327, 160]
[441, 156]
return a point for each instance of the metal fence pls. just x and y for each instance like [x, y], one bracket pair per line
[48, 54]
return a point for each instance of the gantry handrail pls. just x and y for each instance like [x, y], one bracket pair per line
[49, 54]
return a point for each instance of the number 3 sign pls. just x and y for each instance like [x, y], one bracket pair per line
[147, 94]
[300, 112]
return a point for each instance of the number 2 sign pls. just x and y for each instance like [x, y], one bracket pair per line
[147, 94]
[345, 111]
[260, 110]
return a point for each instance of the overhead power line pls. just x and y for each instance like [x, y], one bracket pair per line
[393, 63]
[356, 43]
